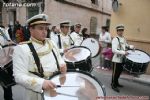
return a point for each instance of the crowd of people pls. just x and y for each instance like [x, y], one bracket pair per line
[36, 59]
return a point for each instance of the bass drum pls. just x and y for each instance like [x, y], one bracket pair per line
[136, 62]
[75, 85]
[93, 45]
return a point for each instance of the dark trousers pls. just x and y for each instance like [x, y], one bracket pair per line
[7, 93]
[107, 64]
[117, 70]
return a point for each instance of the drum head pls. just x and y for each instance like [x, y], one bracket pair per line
[91, 44]
[76, 54]
[75, 86]
[138, 56]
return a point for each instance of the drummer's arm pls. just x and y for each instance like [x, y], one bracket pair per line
[115, 49]
[129, 46]
[62, 63]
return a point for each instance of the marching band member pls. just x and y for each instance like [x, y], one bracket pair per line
[66, 40]
[76, 36]
[119, 46]
[5, 40]
[55, 36]
[34, 61]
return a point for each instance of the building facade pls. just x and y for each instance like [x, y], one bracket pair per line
[90, 13]
[134, 14]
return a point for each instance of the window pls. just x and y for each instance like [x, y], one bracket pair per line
[108, 23]
[93, 25]
[94, 2]
[32, 11]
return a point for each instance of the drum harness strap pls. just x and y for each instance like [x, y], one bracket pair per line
[120, 49]
[59, 40]
[72, 43]
[119, 43]
[37, 61]
[39, 65]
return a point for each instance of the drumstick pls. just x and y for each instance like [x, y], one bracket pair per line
[58, 86]
[66, 94]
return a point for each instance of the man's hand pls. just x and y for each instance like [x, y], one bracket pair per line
[63, 68]
[126, 53]
[10, 42]
[47, 85]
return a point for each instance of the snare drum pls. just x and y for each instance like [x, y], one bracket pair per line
[6, 66]
[93, 45]
[78, 57]
[136, 62]
[77, 85]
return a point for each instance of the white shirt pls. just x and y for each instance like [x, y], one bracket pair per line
[65, 42]
[54, 37]
[119, 52]
[23, 62]
[104, 39]
[76, 38]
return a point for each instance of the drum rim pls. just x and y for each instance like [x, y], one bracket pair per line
[90, 50]
[131, 72]
[76, 62]
[80, 47]
[145, 53]
[83, 72]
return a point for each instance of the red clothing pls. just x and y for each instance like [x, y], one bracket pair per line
[107, 52]
[19, 35]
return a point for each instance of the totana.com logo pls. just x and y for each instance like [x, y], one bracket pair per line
[20, 4]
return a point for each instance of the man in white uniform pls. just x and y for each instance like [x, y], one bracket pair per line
[76, 36]
[66, 40]
[55, 36]
[119, 47]
[34, 77]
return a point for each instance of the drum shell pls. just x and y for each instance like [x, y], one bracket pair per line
[134, 68]
[83, 65]
[6, 75]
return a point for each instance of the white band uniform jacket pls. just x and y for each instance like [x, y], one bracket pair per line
[76, 38]
[118, 53]
[65, 42]
[23, 62]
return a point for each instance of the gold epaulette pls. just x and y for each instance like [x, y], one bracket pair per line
[25, 42]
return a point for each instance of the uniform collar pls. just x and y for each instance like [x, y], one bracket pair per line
[38, 41]
[63, 34]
